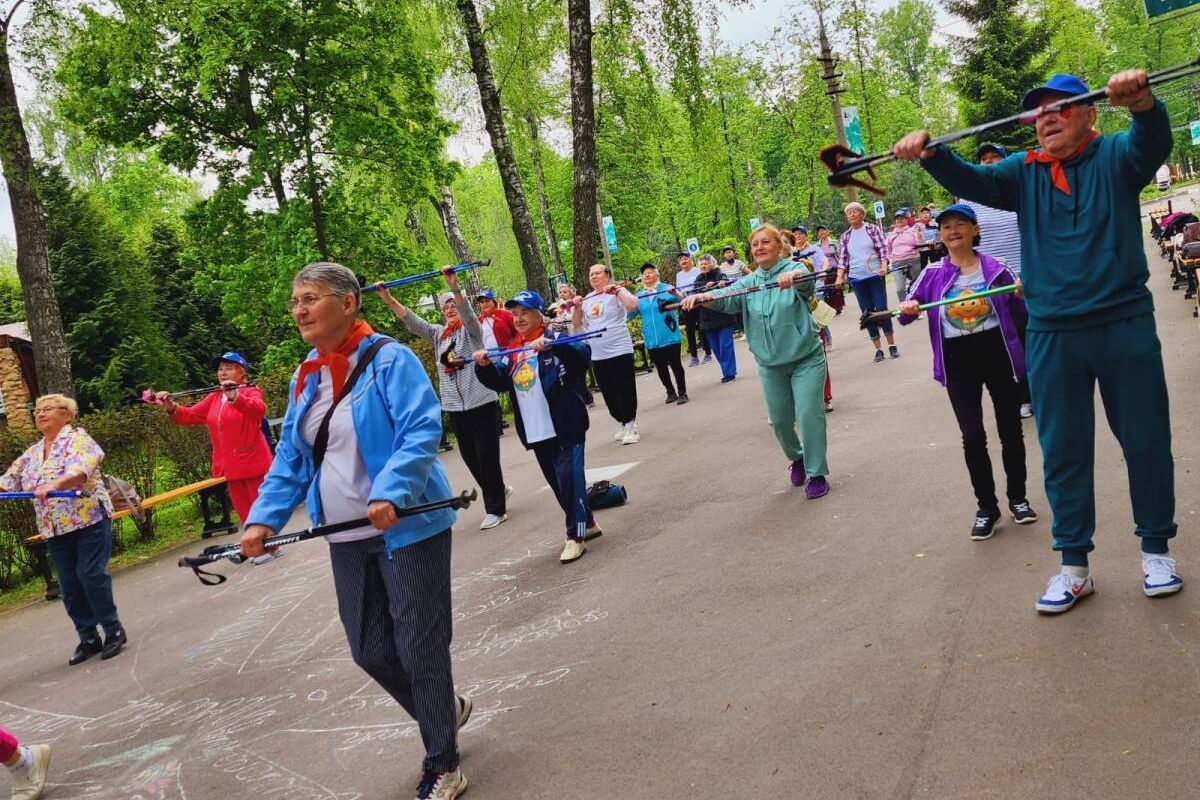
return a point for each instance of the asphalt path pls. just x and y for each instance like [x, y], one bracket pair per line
[724, 638]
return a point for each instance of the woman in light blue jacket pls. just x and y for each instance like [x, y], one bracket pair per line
[392, 576]
[660, 331]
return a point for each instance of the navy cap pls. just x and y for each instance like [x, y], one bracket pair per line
[960, 209]
[728, 247]
[528, 298]
[649, 265]
[901, 212]
[822, 228]
[988, 147]
[231, 357]
[486, 294]
[800, 229]
[1059, 82]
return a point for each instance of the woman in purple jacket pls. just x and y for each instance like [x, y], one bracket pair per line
[975, 344]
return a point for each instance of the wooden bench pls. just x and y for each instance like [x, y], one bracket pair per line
[1190, 266]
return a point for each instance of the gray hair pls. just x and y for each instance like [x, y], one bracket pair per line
[341, 280]
[708, 258]
[854, 207]
[58, 400]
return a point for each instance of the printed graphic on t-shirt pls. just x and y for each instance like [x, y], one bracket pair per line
[970, 313]
[525, 376]
[596, 309]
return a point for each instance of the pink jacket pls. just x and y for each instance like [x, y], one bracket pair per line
[902, 244]
[239, 449]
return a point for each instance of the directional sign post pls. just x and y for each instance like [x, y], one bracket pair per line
[1195, 130]
[754, 223]
[879, 210]
[693, 246]
[610, 235]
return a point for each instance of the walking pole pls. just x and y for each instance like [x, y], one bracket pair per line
[876, 317]
[149, 395]
[424, 276]
[772, 285]
[579, 337]
[30, 495]
[234, 551]
[843, 162]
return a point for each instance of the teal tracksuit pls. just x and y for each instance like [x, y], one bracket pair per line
[1091, 321]
[791, 363]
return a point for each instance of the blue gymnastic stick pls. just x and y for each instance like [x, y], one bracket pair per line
[424, 276]
[29, 495]
[579, 337]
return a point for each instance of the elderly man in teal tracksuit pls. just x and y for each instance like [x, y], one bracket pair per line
[1091, 317]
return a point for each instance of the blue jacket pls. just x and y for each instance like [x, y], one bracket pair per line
[659, 328]
[1082, 260]
[398, 421]
[936, 282]
[562, 370]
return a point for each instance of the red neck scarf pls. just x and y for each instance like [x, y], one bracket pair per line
[451, 328]
[533, 335]
[338, 361]
[1057, 176]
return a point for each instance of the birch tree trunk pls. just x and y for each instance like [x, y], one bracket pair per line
[583, 137]
[535, 150]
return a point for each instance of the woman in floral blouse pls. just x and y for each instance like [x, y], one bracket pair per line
[77, 530]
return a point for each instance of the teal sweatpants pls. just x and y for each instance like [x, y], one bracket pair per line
[795, 395]
[1125, 359]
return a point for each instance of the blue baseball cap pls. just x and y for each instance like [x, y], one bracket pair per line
[961, 209]
[800, 229]
[988, 147]
[1059, 82]
[486, 294]
[528, 298]
[231, 357]
[901, 212]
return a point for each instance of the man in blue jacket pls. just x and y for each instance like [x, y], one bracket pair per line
[1091, 317]
[546, 385]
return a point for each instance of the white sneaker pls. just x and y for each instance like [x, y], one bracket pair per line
[593, 532]
[1159, 576]
[631, 436]
[491, 521]
[267, 558]
[573, 550]
[508, 490]
[462, 713]
[442, 785]
[828, 406]
[620, 434]
[1063, 591]
[1026, 410]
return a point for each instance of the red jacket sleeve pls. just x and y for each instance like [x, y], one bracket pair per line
[196, 414]
[250, 402]
[503, 327]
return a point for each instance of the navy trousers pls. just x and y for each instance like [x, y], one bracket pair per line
[396, 611]
[81, 561]
[871, 294]
[562, 464]
[721, 342]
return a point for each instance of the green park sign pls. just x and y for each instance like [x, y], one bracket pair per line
[1156, 8]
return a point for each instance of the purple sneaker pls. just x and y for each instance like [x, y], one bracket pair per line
[817, 487]
[797, 473]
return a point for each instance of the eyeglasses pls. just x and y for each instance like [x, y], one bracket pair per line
[48, 409]
[307, 301]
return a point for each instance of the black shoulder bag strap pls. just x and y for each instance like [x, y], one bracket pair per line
[321, 443]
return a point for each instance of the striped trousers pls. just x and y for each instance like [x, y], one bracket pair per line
[396, 612]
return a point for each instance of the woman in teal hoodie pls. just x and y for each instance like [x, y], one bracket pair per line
[784, 341]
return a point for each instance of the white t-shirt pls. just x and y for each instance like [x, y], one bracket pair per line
[344, 484]
[531, 399]
[970, 315]
[686, 278]
[489, 333]
[864, 259]
[606, 311]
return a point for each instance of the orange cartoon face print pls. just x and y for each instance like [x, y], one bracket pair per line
[970, 312]
[524, 377]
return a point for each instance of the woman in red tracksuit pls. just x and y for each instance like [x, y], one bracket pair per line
[234, 417]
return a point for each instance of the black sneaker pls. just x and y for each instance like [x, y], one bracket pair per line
[86, 649]
[113, 643]
[672, 398]
[1022, 513]
[893, 351]
[985, 525]
[878, 356]
[683, 398]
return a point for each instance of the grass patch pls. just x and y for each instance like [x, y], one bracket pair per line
[175, 524]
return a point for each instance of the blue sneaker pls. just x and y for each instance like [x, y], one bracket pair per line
[1159, 576]
[1062, 593]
